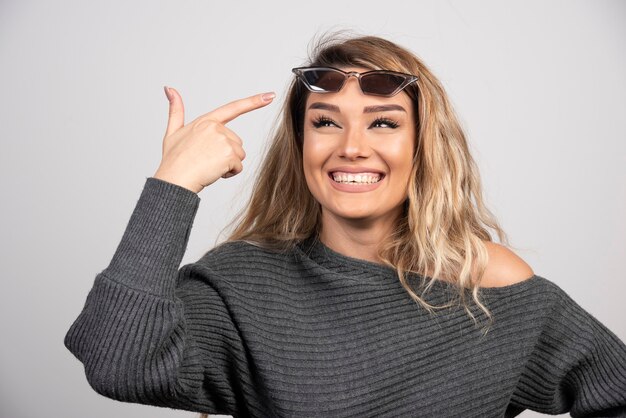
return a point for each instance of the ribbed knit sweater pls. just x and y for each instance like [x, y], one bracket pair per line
[312, 333]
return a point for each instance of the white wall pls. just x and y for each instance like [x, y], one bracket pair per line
[539, 86]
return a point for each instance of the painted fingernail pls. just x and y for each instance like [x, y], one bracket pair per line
[267, 97]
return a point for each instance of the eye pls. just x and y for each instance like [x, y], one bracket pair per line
[324, 121]
[383, 122]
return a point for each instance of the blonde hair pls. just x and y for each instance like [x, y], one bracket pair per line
[441, 231]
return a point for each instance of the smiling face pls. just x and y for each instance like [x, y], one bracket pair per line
[357, 154]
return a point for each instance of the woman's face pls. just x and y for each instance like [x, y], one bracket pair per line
[358, 152]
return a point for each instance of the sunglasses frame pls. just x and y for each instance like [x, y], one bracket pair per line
[408, 79]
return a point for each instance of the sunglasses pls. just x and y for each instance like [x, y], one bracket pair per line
[331, 80]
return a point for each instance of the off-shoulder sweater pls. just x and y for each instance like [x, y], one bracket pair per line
[313, 333]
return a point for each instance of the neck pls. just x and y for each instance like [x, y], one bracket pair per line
[355, 239]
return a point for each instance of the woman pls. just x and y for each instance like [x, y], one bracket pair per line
[367, 202]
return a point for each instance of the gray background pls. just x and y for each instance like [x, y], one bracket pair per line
[539, 87]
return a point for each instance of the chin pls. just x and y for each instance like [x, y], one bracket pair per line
[357, 216]
[353, 214]
[352, 208]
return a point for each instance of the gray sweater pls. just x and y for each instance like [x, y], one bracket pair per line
[313, 333]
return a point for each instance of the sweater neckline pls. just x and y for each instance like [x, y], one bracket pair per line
[375, 273]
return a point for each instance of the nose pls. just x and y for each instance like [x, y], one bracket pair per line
[353, 145]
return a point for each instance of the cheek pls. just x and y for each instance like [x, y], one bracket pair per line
[314, 152]
[399, 153]
[307, 155]
[397, 149]
[310, 162]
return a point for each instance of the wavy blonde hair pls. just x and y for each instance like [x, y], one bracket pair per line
[444, 223]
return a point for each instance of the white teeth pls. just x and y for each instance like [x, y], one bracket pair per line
[356, 178]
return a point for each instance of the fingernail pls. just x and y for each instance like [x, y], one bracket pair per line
[267, 97]
[167, 92]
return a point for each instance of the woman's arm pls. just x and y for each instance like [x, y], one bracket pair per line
[142, 336]
[137, 334]
[578, 366]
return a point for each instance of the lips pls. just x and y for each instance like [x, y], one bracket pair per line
[355, 170]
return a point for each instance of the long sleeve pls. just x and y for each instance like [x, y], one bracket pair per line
[137, 333]
[578, 366]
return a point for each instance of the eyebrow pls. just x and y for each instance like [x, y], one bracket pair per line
[368, 109]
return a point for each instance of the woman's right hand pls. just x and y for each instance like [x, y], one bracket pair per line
[197, 154]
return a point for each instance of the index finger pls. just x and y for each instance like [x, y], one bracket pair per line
[230, 111]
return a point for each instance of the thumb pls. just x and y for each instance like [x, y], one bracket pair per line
[176, 119]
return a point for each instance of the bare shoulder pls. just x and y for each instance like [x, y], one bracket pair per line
[504, 267]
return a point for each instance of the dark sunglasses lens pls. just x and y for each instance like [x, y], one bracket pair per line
[381, 84]
[324, 80]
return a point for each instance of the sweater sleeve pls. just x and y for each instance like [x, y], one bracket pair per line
[137, 334]
[578, 366]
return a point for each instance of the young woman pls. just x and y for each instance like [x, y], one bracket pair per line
[356, 279]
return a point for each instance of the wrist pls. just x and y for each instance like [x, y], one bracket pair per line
[164, 177]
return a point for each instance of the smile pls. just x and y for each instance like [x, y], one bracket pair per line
[355, 178]
[355, 182]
